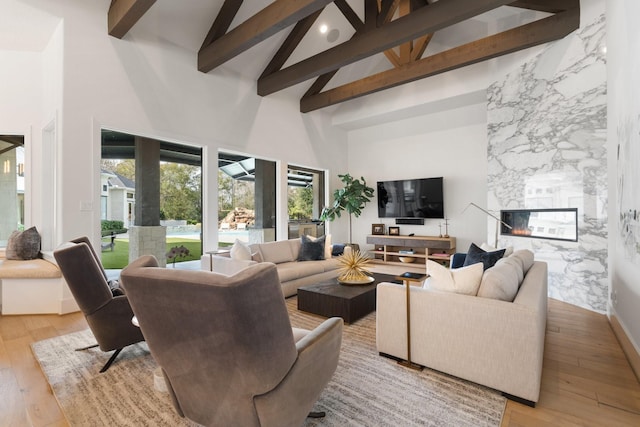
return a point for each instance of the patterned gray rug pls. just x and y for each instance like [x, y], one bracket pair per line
[366, 390]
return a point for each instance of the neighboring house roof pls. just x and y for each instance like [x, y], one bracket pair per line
[124, 181]
[117, 180]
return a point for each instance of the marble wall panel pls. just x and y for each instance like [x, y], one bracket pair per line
[547, 149]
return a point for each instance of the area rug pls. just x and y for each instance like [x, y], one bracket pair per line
[366, 390]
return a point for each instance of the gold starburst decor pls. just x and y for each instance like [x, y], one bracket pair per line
[353, 269]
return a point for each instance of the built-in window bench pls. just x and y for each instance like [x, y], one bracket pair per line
[34, 287]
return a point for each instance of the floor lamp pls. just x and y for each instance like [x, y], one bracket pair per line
[498, 221]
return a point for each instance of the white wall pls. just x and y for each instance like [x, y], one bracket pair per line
[451, 144]
[17, 115]
[623, 68]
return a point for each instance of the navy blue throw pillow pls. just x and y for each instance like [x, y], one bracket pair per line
[476, 255]
[337, 250]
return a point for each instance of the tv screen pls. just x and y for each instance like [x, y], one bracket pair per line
[411, 198]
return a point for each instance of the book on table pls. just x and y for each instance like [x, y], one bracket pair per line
[411, 275]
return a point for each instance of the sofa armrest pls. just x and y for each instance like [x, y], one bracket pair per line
[318, 354]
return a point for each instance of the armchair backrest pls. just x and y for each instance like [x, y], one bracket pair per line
[221, 340]
[85, 239]
[84, 276]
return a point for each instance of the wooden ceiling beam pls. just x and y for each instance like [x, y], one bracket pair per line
[423, 21]
[419, 46]
[292, 41]
[405, 48]
[387, 9]
[123, 15]
[223, 21]
[542, 31]
[320, 83]
[370, 15]
[349, 14]
[270, 20]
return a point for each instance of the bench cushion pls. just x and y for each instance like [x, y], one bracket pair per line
[34, 268]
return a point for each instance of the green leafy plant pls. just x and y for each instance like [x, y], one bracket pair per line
[351, 198]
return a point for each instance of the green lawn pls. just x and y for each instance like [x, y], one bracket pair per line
[119, 257]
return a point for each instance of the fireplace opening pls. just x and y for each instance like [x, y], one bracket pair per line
[554, 224]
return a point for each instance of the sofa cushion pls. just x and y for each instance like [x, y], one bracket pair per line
[488, 259]
[256, 255]
[277, 252]
[23, 245]
[526, 256]
[288, 271]
[327, 246]
[517, 266]
[328, 264]
[500, 282]
[240, 251]
[311, 249]
[464, 280]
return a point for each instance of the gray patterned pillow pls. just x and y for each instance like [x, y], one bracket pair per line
[23, 245]
[311, 249]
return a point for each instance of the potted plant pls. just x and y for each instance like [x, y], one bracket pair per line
[351, 198]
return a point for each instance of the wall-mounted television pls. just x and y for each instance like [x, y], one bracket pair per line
[411, 198]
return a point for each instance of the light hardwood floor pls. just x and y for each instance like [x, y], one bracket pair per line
[586, 379]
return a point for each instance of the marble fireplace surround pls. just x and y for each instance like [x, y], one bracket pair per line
[547, 149]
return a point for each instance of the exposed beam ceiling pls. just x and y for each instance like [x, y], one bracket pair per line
[270, 20]
[401, 29]
[538, 32]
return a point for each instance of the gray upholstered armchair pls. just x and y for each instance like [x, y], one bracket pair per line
[108, 316]
[226, 346]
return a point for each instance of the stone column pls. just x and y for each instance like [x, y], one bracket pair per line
[147, 236]
[265, 201]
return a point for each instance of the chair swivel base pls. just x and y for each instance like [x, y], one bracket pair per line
[109, 362]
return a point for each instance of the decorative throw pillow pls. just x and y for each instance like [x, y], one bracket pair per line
[500, 282]
[23, 245]
[464, 280]
[114, 286]
[488, 248]
[240, 251]
[488, 259]
[526, 257]
[311, 249]
[337, 249]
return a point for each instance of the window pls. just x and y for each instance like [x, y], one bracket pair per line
[12, 185]
[305, 199]
[246, 199]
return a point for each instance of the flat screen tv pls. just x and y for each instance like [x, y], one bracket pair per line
[411, 198]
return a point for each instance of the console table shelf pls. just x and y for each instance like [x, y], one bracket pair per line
[389, 249]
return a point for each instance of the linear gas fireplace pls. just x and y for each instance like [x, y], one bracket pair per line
[555, 224]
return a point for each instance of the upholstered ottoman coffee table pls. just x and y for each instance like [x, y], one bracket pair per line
[331, 299]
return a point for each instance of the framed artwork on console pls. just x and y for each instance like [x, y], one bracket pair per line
[394, 231]
[377, 228]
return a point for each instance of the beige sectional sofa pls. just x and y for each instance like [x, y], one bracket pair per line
[493, 342]
[284, 255]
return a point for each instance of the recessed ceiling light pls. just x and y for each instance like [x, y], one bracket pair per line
[333, 35]
[323, 28]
